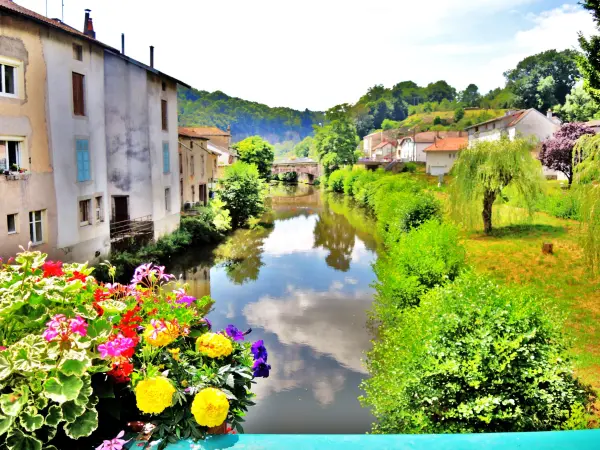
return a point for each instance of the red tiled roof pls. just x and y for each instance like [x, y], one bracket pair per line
[55, 23]
[450, 144]
[384, 143]
[204, 131]
[188, 132]
[430, 136]
[514, 118]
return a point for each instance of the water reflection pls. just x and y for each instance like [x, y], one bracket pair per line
[302, 284]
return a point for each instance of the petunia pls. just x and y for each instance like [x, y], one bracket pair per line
[261, 368]
[186, 300]
[259, 350]
[234, 333]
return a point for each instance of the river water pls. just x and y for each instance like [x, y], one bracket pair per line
[302, 283]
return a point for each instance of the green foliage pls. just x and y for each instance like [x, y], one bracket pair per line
[305, 148]
[579, 106]
[402, 211]
[474, 357]
[564, 204]
[388, 124]
[337, 141]
[484, 170]
[459, 113]
[588, 61]
[335, 181]
[410, 167]
[470, 96]
[437, 120]
[201, 108]
[243, 192]
[257, 151]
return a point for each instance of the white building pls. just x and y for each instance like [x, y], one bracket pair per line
[523, 123]
[385, 151]
[372, 140]
[412, 148]
[441, 155]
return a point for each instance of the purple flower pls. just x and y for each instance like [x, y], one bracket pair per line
[261, 368]
[208, 323]
[259, 350]
[149, 272]
[114, 444]
[234, 333]
[116, 347]
[186, 300]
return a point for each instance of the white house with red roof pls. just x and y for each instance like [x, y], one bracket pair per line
[441, 155]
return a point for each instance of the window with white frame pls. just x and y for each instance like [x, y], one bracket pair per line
[84, 212]
[82, 147]
[8, 80]
[10, 155]
[11, 223]
[99, 209]
[36, 226]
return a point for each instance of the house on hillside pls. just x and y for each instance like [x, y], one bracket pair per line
[372, 140]
[525, 123]
[87, 139]
[197, 168]
[441, 155]
[411, 148]
[219, 142]
[385, 150]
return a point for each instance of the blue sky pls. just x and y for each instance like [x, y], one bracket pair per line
[318, 53]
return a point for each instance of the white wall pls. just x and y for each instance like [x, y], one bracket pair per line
[440, 159]
[407, 150]
[78, 242]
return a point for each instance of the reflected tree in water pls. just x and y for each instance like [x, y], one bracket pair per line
[334, 233]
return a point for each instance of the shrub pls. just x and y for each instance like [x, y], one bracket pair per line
[401, 212]
[474, 357]
[351, 178]
[243, 192]
[410, 167]
[358, 188]
[415, 262]
[564, 205]
[335, 182]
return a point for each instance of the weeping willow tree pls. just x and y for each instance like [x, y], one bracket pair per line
[586, 179]
[484, 170]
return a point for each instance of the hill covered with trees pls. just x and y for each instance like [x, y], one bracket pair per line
[202, 108]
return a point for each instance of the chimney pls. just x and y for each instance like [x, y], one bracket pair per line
[229, 128]
[152, 56]
[88, 26]
[122, 43]
[549, 114]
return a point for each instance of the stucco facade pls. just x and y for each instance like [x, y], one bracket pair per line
[23, 119]
[198, 169]
[440, 162]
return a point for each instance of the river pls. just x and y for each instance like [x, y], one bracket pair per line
[303, 284]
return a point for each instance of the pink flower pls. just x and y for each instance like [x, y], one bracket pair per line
[78, 325]
[57, 326]
[149, 272]
[114, 444]
[116, 347]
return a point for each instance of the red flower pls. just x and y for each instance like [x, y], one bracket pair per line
[99, 296]
[52, 269]
[78, 276]
[121, 371]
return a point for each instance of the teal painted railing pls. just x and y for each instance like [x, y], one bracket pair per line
[555, 440]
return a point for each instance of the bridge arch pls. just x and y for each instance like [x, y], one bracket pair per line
[306, 168]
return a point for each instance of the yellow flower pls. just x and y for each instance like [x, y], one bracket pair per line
[184, 383]
[174, 353]
[214, 345]
[154, 395]
[210, 407]
[160, 333]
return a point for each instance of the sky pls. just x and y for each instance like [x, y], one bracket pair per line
[318, 53]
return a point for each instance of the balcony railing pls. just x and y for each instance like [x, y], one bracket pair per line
[141, 227]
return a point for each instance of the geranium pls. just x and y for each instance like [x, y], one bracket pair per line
[154, 395]
[234, 333]
[52, 269]
[259, 350]
[147, 273]
[114, 444]
[121, 370]
[116, 346]
[210, 407]
[160, 333]
[78, 325]
[61, 327]
[78, 276]
[261, 368]
[214, 345]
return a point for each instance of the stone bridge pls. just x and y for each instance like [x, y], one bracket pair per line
[307, 169]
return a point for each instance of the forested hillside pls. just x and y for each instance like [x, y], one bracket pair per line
[202, 108]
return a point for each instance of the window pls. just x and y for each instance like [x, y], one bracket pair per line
[191, 166]
[449, 155]
[78, 95]
[99, 210]
[193, 194]
[84, 212]
[8, 80]
[77, 52]
[10, 155]
[164, 86]
[476, 129]
[494, 126]
[166, 162]
[180, 164]
[83, 160]
[36, 229]
[11, 223]
[181, 188]
[202, 166]
[163, 113]
[167, 199]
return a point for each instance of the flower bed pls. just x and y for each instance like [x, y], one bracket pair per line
[81, 360]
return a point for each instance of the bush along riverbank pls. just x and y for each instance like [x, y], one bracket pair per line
[85, 364]
[454, 351]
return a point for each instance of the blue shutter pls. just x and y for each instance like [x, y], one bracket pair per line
[166, 162]
[83, 160]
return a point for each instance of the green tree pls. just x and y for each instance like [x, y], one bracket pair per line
[470, 96]
[484, 170]
[524, 80]
[255, 150]
[302, 148]
[589, 60]
[390, 124]
[440, 90]
[437, 120]
[242, 191]
[579, 106]
[546, 93]
[336, 142]
[459, 113]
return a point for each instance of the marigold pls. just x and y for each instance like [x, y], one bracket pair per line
[160, 333]
[154, 395]
[210, 407]
[214, 345]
